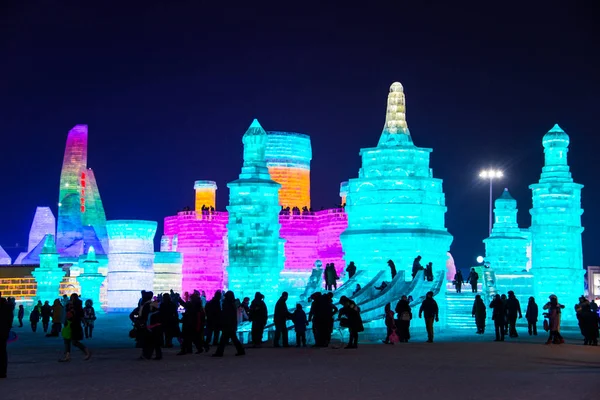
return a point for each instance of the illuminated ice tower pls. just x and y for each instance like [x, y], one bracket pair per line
[81, 219]
[395, 207]
[48, 275]
[557, 260]
[254, 244]
[506, 250]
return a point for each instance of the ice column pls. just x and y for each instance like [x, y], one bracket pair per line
[48, 275]
[91, 280]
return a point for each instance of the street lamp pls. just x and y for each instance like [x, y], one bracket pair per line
[491, 174]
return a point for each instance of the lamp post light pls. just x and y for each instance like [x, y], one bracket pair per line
[491, 174]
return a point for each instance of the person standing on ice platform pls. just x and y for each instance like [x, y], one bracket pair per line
[430, 308]
[392, 268]
[428, 276]
[229, 326]
[416, 266]
[330, 277]
[458, 281]
[6, 316]
[513, 309]
[280, 318]
[258, 315]
[351, 269]
[480, 314]
[498, 316]
[472, 279]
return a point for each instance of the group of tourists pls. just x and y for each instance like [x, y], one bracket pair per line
[473, 279]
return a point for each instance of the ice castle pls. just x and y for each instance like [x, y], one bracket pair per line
[395, 206]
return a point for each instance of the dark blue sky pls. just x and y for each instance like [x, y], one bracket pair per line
[168, 88]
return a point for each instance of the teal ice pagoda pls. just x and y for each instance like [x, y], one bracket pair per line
[254, 245]
[91, 280]
[557, 256]
[395, 207]
[48, 275]
[506, 250]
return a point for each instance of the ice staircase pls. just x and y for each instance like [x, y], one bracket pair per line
[459, 307]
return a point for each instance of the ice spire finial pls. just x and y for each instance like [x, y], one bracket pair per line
[91, 255]
[395, 131]
[255, 142]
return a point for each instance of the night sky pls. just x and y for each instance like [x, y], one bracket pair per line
[168, 89]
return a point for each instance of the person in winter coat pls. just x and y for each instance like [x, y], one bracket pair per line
[300, 323]
[480, 314]
[331, 277]
[430, 308]
[513, 310]
[498, 316]
[280, 320]
[6, 317]
[170, 319]
[404, 316]
[473, 279]
[392, 268]
[428, 276]
[21, 315]
[89, 316]
[554, 309]
[46, 313]
[57, 317]
[327, 312]
[213, 319]
[73, 331]
[229, 326]
[349, 316]
[258, 317]
[154, 331]
[34, 318]
[351, 269]
[416, 266]
[458, 281]
[504, 298]
[193, 323]
[531, 314]
[314, 316]
[389, 323]
[588, 322]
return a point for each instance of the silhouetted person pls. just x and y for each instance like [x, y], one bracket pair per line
[330, 277]
[428, 276]
[588, 322]
[74, 314]
[504, 298]
[46, 314]
[531, 314]
[389, 323]
[473, 279]
[170, 319]
[21, 315]
[213, 320]
[328, 314]
[300, 322]
[280, 318]
[6, 317]
[229, 326]
[458, 281]
[356, 289]
[392, 268]
[349, 316]
[315, 316]
[480, 314]
[404, 316]
[193, 322]
[258, 315]
[498, 316]
[34, 318]
[513, 310]
[351, 269]
[154, 332]
[430, 308]
[416, 266]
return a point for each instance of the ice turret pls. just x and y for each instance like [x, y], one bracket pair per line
[48, 275]
[91, 280]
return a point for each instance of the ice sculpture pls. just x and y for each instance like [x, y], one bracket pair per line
[94, 218]
[167, 272]
[288, 156]
[205, 195]
[506, 250]
[91, 279]
[199, 237]
[253, 228]
[130, 262]
[557, 259]
[48, 275]
[4, 257]
[43, 224]
[395, 207]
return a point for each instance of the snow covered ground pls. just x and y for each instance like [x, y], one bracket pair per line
[457, 366]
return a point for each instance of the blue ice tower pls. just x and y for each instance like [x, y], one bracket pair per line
[506, 250]
[557, 255]
[48, 275]
[254, 245]
[91, 280]
[395, 207]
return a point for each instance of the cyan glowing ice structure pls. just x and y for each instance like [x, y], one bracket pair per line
[48, 275]
[130, 262]
[253, 229]
[506, 250]
[557, 256]
[94, 218]
[43, 224]
[167, 272]
[91, 279]
[395, 207]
